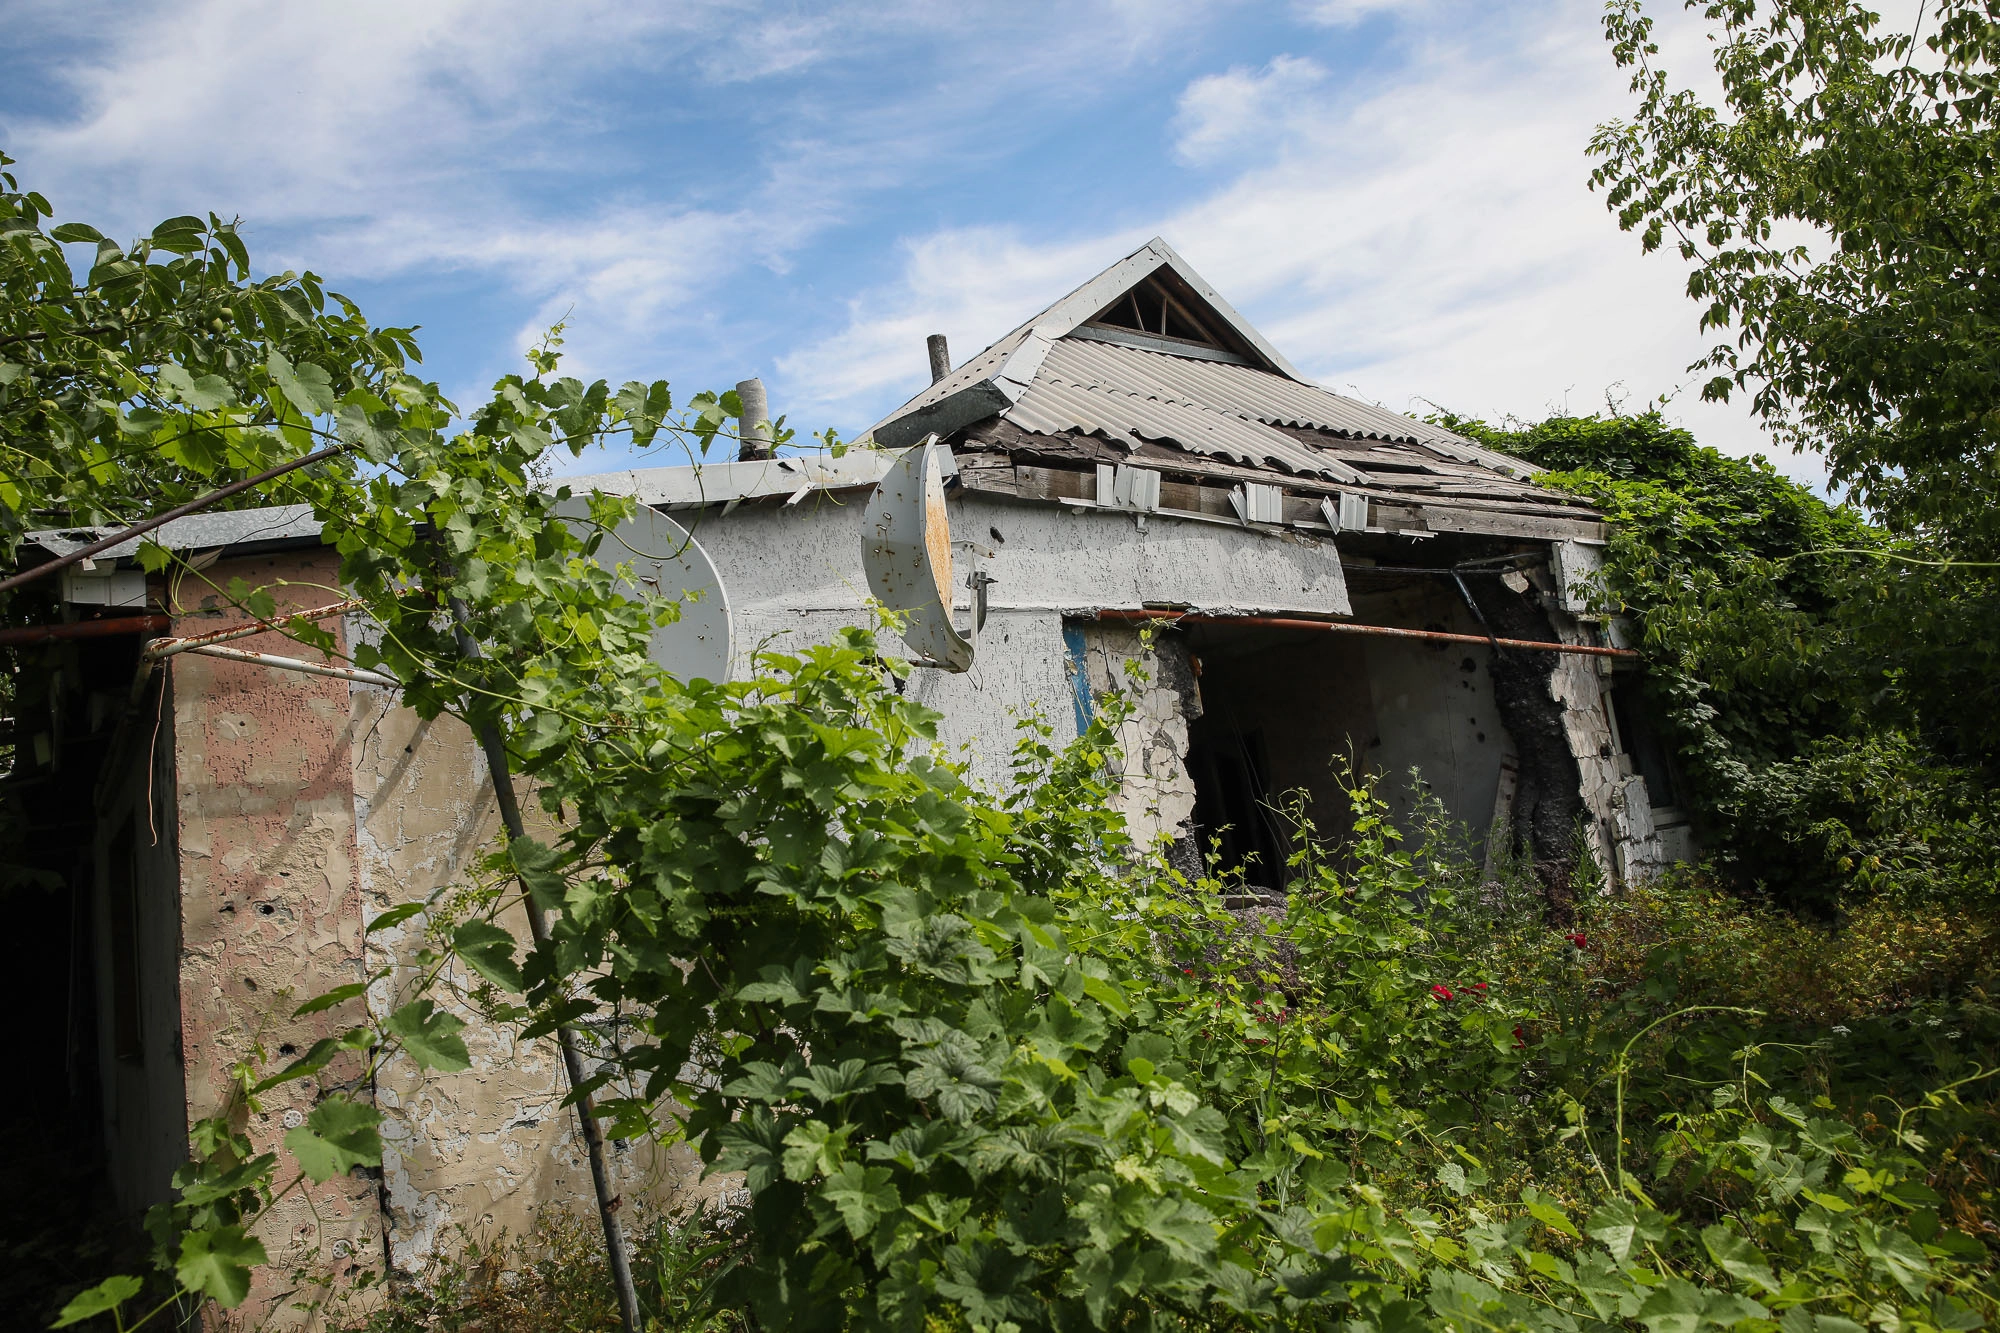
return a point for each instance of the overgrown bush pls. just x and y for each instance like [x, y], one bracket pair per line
[1400, 1101]
[1825, 685]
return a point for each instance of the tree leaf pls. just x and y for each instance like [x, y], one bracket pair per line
[181, 235]
[1736, 1256]
[489, 951]
[1548, 1214]
[69, 233]
[338, 1136]
[306, 386]
[216, 1263]
[1621, 1226]
[862, 1195]
[338, 995]
[429, 1036]
[395, 916]
[106, 1296]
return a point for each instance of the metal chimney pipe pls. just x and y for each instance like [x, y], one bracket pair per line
[940, 357]
[756, 433]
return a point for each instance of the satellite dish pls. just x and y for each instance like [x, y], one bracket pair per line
[666, 562]
[906, 551]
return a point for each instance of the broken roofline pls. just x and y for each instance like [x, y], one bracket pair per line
[240, 531]
[279, 527]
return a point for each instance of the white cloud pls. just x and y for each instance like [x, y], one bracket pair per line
[1432, 241]
[379, 139]
[1223, 115]
[1347, 13]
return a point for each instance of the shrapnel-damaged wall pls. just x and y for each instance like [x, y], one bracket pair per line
[1155, 791]
[308, 806]
[269, 899]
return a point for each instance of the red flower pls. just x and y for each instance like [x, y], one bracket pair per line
[1519, 1040]
[1442, 991]
[1479, 986]
[1579, 939]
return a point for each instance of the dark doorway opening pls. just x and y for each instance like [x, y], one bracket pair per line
[1290, 719]
[1234, 805]
[71, 898]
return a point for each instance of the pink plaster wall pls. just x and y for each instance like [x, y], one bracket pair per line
[270, 898]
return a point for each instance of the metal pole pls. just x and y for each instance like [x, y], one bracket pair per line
[179, 511]
[355, 674]
[593, 1133]
[1348, 627]
[83, 629]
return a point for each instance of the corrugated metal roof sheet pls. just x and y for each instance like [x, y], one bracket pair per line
[1231, 398]
[1131, 408]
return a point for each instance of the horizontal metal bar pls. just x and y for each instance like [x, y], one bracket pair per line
[1349, 627]
[160, 648]
[84, 629]
[355, 674]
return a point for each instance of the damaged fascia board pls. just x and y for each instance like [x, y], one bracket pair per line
[988, 397]
[232, 528]
[1399, 515]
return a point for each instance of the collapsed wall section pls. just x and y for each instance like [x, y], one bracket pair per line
[1239, 733]
[1232, 724]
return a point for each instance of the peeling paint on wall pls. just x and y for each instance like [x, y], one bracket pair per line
[1155, 791]
[473, 1153]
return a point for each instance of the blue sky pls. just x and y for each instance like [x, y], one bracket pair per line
[1392, 190]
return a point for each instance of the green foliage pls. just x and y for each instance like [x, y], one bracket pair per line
[104, 1298]
[1838, 208]
[167, 370]
[338, 1136]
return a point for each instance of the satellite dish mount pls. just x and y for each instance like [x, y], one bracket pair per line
[906, 552]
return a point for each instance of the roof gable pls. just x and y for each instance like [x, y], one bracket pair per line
[1148, 353]
[996, 378]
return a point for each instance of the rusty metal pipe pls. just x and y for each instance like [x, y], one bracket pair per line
[160, 648]
[1349, 627]
[83, 629]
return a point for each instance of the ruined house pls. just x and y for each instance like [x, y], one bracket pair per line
[1324, 582]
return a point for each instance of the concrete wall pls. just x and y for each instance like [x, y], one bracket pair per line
[475, 1152]
[794, 576]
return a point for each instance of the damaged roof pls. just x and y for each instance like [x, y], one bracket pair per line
[1147, 364]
